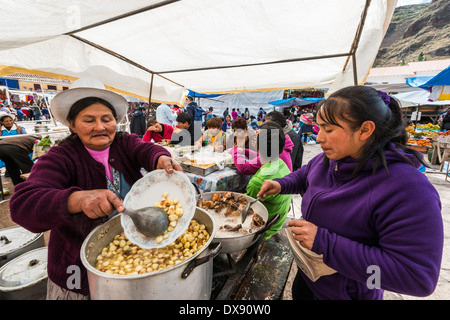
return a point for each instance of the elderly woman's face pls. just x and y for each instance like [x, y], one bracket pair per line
[95, 126]
[7, 122]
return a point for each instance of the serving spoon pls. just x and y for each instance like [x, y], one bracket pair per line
[150, 221]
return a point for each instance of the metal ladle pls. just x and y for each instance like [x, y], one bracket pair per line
[150, 221]
[245, 211]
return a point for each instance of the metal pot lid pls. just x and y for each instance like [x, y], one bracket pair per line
[24, 270]
[14, 238]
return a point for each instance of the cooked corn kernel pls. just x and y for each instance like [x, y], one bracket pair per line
[135, 260]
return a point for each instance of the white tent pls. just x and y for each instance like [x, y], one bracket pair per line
[418, 98]
[241, 100]
[159, 49]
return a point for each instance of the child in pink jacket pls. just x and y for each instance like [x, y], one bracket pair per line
[251, 166]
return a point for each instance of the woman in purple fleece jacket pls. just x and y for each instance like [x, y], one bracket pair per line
[79, 184]
[366, 207]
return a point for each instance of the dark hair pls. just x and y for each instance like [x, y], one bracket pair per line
[277, 117]
[184, 117]
[190, 98]
[214, 123]
[356, 104]
[82, 104]
[239, 123]
[270, 133]
[151, 122]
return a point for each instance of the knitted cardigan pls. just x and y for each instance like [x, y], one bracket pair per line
[40, 203]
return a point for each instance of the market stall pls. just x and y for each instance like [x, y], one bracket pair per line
[441, 152]
[201, 51]
[420, 137]
[208, 170]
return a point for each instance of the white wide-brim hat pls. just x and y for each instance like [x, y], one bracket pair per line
[83, 88]
[6, 114]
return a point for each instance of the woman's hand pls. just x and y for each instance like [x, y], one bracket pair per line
[168, 164]
[94, 203]
[268, 188]
[304, 232]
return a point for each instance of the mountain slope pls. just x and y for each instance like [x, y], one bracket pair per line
[417, 32]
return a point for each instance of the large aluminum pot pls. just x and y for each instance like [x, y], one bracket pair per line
[238, 242]
[16, 240]
[189, 280]
[25, 277]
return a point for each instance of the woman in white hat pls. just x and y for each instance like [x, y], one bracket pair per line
[8, 126]
[13, 155]
[78, 184]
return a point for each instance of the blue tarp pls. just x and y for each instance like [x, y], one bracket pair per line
[441, 79]
[10, 83]
[202, 95]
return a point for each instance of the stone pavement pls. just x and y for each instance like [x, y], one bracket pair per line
[442, 291]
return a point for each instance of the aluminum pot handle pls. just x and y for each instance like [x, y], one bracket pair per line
[196, 188]
[196, 262]
[199, 192]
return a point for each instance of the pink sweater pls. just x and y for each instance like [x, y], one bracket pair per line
[252, 166]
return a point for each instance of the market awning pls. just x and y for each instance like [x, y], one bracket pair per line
[438, 86]
[295, 101]
[418, 98]
[162, 48]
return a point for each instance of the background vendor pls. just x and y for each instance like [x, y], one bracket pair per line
[158, 132]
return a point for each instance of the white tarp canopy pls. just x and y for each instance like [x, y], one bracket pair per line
[241, 100]
[418, 98]
[162, 48]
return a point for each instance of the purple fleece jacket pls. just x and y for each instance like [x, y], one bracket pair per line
[40, 203]
[392, 222]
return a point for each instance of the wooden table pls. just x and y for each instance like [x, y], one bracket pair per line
[260, 274]
[437, 149]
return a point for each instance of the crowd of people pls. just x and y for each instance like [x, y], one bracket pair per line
[364, 201]
[26, 111]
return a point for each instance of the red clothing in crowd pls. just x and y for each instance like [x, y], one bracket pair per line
[159, 136]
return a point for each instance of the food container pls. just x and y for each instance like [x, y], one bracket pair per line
[183, 150]
[17, 240]
[189, 280]
[40, 128]
[25, 277]
[199, 170]
[205, 162]
[236, 241]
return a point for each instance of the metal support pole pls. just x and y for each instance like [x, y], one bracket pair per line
[150, 98]
[355, 74]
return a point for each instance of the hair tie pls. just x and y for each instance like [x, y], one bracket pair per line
[385, 97]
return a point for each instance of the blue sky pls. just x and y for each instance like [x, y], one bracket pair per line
[408, 2]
